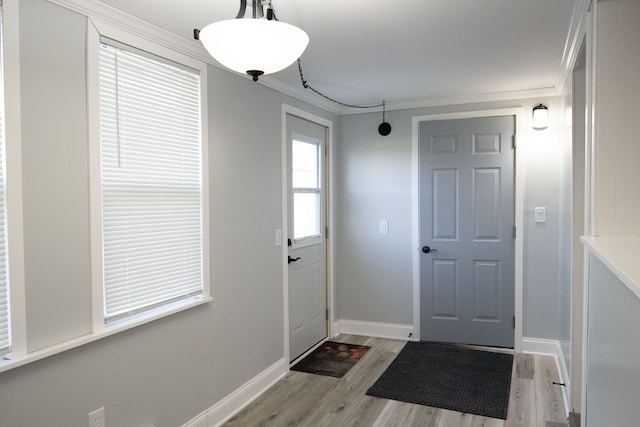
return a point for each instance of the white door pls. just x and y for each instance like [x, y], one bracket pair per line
[467, 231]
[307, 277]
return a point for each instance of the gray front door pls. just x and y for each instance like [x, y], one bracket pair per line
[467, 231]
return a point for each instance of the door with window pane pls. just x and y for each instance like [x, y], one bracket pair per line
[306, 143]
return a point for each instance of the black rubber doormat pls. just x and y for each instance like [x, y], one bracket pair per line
[333, 359]
[450, 377]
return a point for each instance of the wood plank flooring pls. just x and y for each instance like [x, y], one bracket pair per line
[302, 399]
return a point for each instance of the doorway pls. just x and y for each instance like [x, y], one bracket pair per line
[466, 205]
[307, 293]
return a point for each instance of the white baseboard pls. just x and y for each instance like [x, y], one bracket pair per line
[551, 348]
[240, 398]
[374, 329]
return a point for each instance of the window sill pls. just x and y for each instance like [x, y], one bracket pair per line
[21, 360]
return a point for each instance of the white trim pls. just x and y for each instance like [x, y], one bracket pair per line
[375, 329]
[540, 346]
[288, 109]
[19, 355]
[459, 100]
[518, 112]
[589, 193]
[554, 349]
[13, 137]
[96, 29]
[573, 44]
[123, 21]
[222, 411]
[21, 360]
[95, 214]
[117, 18]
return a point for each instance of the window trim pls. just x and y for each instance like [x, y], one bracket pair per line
[13, 152]
[168, 46]
[320, 191]
[6, 318]
[96, 30]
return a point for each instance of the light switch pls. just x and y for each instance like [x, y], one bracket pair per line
[540, 214]
[384, 227]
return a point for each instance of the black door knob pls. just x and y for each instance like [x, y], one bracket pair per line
[427, 249]
[290, 260]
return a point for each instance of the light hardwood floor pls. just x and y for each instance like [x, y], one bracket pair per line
[301, 399]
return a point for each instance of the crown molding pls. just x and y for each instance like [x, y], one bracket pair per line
[459, 100]
[573, 44]
[98, 11]
[300, 93]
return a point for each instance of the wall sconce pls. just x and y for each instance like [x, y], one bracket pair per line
[540, 117]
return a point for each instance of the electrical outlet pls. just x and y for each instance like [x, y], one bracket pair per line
[96, 418]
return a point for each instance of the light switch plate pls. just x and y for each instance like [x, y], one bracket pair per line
[384, 227]
[540, 214]
[96, 418]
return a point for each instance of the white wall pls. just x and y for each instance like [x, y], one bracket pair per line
[612, 390]
[617, 199]
[373, 271]
[166, 372]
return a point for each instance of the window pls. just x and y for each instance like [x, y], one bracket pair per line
[5, 332]
[306, 180]
[151, 182]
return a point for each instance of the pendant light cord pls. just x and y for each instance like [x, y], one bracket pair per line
[344, 104]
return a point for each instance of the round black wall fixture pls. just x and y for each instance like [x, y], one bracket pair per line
[384, 129]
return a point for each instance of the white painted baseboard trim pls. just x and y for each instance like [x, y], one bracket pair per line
[240, 398]
[551, 348]
[375, 329]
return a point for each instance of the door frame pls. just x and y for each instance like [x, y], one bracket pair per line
[520, 123]
[288, 109]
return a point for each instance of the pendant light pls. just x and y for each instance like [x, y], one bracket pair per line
[385, 128]
[252, 43]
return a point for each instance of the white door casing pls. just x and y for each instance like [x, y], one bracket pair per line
[522, 121]
[307, 293]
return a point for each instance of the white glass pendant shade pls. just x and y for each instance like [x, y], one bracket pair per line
[540, 117]
[249, 45]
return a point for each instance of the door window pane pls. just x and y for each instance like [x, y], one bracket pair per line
[305, 177]
[305, 164]
[306, 214]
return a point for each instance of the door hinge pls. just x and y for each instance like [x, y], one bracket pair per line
[514, 322]
[514, 144]
[326, 314]
[514, 231]
[326, 232]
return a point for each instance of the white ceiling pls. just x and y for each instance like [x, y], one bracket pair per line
[366, 51]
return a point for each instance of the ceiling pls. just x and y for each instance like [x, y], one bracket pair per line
[403, 51]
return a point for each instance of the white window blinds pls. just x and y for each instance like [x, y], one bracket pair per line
[5, 335]
[151, 182]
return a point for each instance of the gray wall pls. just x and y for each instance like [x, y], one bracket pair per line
[166, 372]
[613, 370]
[373, 272]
